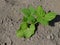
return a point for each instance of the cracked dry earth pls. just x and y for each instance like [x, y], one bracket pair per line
[10, 19]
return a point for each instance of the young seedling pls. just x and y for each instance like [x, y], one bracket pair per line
[31, 17]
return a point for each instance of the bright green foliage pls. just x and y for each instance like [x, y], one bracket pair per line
[26, 12]
[23, 25]
[43, 17]
[42, 21]
[19, 33]
[29, 14]
[40, 12]
[49, 16]
[32, 10]
[30, 18]
[27, 32]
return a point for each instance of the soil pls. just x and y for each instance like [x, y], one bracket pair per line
[11, 17]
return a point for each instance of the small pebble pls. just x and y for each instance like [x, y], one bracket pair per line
[38, 37]
[1, 21]
[48, 37]
[51, 36]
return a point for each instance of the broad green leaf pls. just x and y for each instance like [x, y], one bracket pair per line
[42, 21]
[24, 19]
[50, 16]
[40, 11]
[29, 31]
[23, 25]
[19, 33]
[26, 12]
[32, 27]
[32, 10]
[30, 19]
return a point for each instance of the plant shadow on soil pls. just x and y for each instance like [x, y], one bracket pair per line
[56, 19]
[36, 26]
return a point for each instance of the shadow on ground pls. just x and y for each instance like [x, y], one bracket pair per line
[57, 19]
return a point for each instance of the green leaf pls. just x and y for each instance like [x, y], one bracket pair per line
[40, 11]
[29, 31]
[30, 19]
[26, 12]
[50, 16]
[42, 21]
[32, 10]
[23, 25]
[24, 19]
[19, 33]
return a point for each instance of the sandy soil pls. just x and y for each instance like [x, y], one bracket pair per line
[10, 19]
